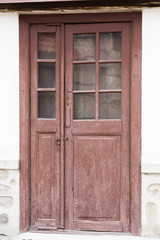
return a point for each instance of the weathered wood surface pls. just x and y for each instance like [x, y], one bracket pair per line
[97, 150]
[45, 144]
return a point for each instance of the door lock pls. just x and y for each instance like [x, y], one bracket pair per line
[58, 141]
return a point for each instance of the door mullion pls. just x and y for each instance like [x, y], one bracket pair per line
[62, 130]
[97, 79]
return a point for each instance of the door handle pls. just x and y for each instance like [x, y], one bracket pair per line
[68, 117]
[58, 141]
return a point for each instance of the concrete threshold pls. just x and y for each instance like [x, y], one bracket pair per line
[69, 235]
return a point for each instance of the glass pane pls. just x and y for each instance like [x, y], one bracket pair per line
[84, 76]
[110, 76]
[46, 104]
[46, 75]
[46, 45]
[110, 105]
[110, 46]
[84, 106]
[84, 46]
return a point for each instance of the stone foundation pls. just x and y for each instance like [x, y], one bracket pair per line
[151, 204]
[9, 202]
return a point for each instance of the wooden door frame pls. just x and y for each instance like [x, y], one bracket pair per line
[135, 21]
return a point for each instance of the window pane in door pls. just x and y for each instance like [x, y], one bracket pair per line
[110, 76]
[46, 45]
[84, 47]
[110, 46]
[84, 106]
[110, 105]
[46, 75]
[46, 105]
[84, 76]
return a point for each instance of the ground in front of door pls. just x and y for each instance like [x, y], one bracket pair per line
[74, 236]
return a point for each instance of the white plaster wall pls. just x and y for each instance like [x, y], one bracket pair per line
[151, 86]
[9, 87]
[151, 122]
[9, 124]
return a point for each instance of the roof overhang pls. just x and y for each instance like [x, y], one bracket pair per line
[46, 4]
[108, 2]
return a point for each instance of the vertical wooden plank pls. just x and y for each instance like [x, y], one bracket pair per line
[135, 131]
[68, 136]
[34, 134]
[62, 129]
[58, 127]
[125, 114]
[24, 74]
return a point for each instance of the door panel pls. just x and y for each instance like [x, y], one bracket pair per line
[97, 136]
[45, 127]
[96, 172]
[46, 169]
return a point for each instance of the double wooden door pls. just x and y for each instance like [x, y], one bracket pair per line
[80, 127]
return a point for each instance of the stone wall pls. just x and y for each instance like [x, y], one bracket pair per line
[151, 204]
[9, 202]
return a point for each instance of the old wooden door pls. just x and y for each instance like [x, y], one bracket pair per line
[97, 127]
[45, 127]
[95, 191]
